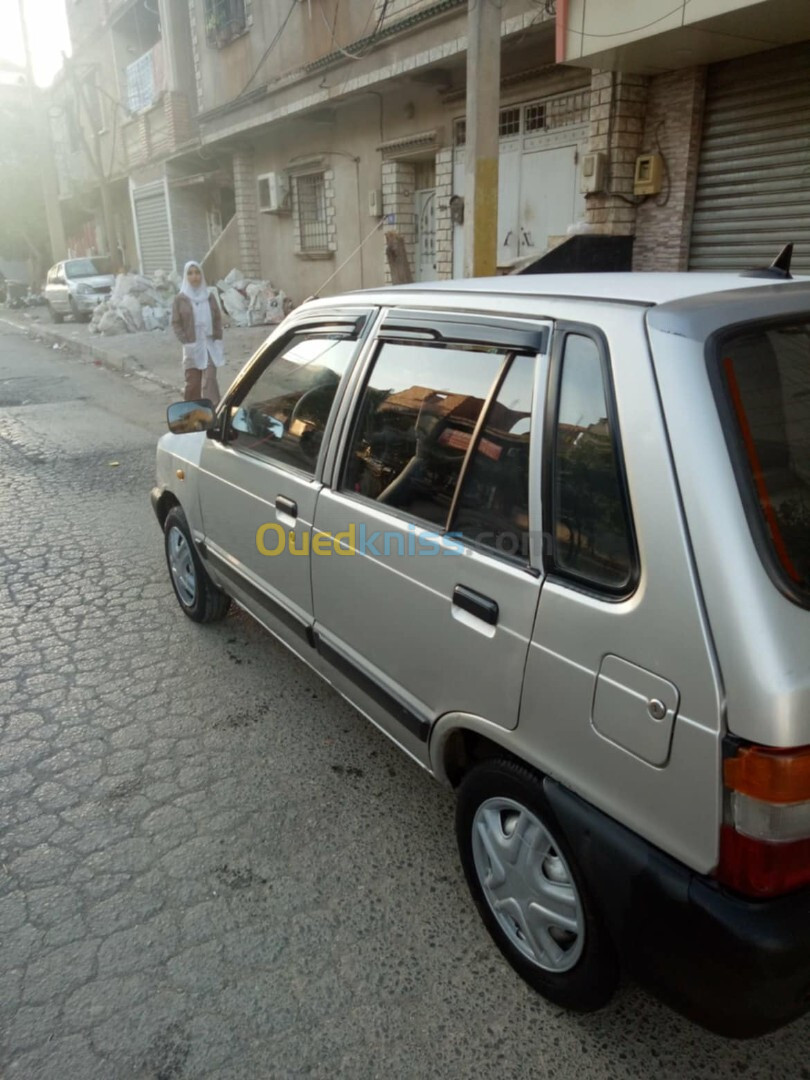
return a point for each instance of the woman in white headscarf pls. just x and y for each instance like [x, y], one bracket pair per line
[197, 322]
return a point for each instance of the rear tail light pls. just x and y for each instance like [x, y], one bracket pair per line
[765, 840]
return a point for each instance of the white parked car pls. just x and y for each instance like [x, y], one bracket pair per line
[76, 286]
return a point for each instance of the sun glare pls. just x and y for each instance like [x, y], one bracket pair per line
[47, 34]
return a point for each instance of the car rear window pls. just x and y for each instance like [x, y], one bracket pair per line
[766, 372]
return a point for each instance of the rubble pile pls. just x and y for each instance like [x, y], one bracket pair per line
[251, 302]
[145, 303]
[137, 303]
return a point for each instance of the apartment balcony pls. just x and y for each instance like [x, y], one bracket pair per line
[649, 36]
[157, 131]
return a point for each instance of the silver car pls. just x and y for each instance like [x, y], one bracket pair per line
[76, 286]
[552, 536]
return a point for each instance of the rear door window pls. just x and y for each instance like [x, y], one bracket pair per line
[416, 423]
[591, 533]
[493, 503]
[765, 376]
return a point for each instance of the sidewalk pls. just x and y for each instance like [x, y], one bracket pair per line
[151, 354]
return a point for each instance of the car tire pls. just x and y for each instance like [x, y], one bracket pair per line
[535, 906]
[196, 593]
[56, 316]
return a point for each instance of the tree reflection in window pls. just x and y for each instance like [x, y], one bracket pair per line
[591, 536]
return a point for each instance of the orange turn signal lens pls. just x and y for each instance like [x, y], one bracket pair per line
[776, 776]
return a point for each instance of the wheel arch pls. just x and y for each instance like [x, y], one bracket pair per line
[165, 501]
[460, 741]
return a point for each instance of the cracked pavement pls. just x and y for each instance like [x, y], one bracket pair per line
[210, 865]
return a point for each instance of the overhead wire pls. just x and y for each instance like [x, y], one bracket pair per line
[332, 28]
[274, 41]
[631, 29]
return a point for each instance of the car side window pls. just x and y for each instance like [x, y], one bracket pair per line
[283, 414]
[591, 537]
[415, 423]
[493, 504]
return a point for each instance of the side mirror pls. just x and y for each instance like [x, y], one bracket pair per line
[187, 416]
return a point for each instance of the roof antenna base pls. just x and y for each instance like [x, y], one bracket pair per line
[779, 268]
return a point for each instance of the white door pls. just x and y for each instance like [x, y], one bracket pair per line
[508, 198]
[425, 210]
[548, 197]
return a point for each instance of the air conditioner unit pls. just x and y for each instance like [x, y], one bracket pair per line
[274, 193]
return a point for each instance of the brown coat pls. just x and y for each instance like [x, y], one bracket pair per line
[183, 319]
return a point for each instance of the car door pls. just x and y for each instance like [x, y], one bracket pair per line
[620, 699]
[259, 479]
[429, 606]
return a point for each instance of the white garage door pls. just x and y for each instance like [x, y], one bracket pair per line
[152, 224]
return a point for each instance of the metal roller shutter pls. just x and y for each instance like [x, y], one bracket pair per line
[152, 223]
[753, 188]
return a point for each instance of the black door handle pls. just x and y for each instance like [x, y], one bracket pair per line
[476, 604]
[286, 506]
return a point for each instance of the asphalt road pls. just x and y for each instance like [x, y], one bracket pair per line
[211, 866]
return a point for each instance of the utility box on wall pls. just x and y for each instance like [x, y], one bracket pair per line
[647, 179]
[594, 173]
[274, 193]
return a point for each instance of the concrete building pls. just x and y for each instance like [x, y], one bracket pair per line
[720, 90]
[121, 113]
[344, 120]
[85, 117]
[286, 138]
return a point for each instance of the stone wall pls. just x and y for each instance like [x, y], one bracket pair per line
[618, 105]
[397, 203]
[673, 127]
[247, 211]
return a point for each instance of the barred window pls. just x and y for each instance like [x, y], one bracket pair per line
[509, 122]
[535, 118]
[567, 110]
[224, 20]
[310, 198]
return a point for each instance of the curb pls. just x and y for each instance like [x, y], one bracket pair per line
[113, 359]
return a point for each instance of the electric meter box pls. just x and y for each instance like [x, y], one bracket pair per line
[647, 179]
[594, 173]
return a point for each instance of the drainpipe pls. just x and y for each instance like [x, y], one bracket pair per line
[561, 30]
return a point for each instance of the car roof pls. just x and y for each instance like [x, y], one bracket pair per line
[627, 288]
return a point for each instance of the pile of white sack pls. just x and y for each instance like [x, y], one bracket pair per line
[249, 301]
[137, 303]
[145, 303]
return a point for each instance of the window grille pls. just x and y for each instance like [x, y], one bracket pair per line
[310, 193]
[534, 118]
[509, 122]
[224, 20]
[567, 110]
[562, 111]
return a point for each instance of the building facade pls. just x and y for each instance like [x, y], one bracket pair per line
[286, 139]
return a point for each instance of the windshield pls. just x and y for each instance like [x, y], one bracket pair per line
[77, 268]
[767, 375]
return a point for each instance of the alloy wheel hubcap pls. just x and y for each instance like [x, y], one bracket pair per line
[181, 566]
[527, 884]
